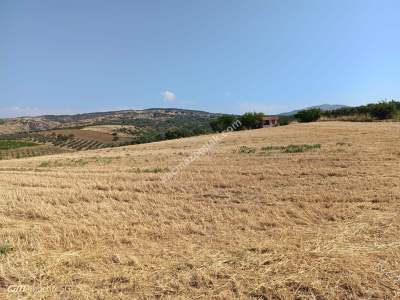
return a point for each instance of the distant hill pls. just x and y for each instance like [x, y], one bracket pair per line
[98, 130]
[323, 107]
[151, 117]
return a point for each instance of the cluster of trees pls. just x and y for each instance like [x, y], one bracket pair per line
[154, 130]
[375, 111]
[148, 136]
[308, 115]
[222, 123]
[381, 111]
[249, 120]
[184, 132]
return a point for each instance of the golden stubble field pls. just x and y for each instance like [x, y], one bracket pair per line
[237, 223]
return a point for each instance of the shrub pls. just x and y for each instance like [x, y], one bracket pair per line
[343, 144]
[44, 164]
[155, 170]
[308, 115]
[245, 149]
[5, 248]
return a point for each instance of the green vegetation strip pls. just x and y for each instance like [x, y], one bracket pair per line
[13, 144]
[285, 149]
[301, 148]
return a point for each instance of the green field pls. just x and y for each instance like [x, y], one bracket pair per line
[13, 144]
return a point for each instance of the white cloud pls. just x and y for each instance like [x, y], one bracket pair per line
[168, 96]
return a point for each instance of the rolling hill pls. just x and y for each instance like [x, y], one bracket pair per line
[103, 129]
[153, 115]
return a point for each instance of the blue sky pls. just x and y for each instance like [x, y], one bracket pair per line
[221, 56]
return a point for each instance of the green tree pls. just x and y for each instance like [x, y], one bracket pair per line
[285, 120]
[251, 120]
[222, 123]
[176, 133]
[308, 115]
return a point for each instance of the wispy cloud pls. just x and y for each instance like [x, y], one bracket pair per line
[168, 96]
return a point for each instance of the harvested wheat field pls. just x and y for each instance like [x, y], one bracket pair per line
[252, 219]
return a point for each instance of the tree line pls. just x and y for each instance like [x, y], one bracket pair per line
[383, 110]
[249, 120]
[380, 111]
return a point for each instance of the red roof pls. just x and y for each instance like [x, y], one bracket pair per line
[265, 118]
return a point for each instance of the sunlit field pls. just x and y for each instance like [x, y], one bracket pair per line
[305, 211]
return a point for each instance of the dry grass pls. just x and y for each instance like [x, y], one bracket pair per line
[320, 224]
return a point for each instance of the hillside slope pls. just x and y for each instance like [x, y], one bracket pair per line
[251, 219]
[49, 122]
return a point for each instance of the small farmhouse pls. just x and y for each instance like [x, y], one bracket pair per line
[270, 121]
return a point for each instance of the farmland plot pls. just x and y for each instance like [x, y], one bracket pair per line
[305, 211]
